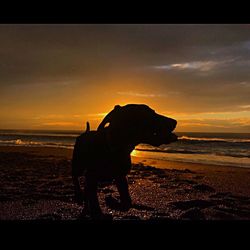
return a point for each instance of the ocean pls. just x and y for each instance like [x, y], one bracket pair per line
[228, 149]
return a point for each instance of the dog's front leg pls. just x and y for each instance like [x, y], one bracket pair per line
[122, 186]
[79, 194]
[92, 201]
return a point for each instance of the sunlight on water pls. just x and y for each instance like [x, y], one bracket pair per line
[192, 158]
[134, 153]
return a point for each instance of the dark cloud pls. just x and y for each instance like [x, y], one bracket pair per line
[32, 51]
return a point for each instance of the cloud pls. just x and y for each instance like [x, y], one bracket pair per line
[246, 107]
[98, 114]
[237, 114]
[246, 45]
[233, 125]
[56, 116]
[77, 116]
[245, 84]
[60, 124]
[147, 95]
[196, 65]
[212, 121]
[49, 117]
[200, 124]
[242, 122]
[203, 66]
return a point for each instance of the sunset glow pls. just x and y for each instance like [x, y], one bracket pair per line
[60, 76]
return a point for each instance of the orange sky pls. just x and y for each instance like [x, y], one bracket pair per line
[60, 76]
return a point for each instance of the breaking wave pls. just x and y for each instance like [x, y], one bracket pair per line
[206, 139]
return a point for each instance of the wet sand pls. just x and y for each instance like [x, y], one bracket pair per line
[36, 185]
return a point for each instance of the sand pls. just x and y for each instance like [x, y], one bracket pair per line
[36, 185]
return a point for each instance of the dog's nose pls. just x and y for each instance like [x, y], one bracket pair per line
[172, 123]
[167, 123]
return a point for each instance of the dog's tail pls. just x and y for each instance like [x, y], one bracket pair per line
[78, 163]
[87, 128]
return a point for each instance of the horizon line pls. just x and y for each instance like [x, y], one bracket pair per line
[84, 130]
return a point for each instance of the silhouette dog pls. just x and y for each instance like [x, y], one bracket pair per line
[104, 154]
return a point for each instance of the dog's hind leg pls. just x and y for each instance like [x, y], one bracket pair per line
[122, 186]
[92, 203]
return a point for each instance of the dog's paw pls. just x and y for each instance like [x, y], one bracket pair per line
[79, 198]
[113, 203]
[126, 205]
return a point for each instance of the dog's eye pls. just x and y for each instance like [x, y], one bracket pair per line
[107, 124]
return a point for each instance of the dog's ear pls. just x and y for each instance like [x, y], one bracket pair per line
[117, 107]
[88, 128]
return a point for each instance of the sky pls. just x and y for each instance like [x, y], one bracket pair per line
[60, 76]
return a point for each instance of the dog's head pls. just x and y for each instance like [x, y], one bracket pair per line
[141, 124]
[159, 130]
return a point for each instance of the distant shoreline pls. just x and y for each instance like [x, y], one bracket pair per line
[83, 129]
[158, 163]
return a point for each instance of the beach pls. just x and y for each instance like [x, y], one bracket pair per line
[36, 185]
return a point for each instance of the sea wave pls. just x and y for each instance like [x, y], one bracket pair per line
[192, 144]
[168, 150]
[207, 139]
[20, 142]
[195, 152]
[41, 135]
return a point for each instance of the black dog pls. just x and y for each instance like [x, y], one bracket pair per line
[105, 154]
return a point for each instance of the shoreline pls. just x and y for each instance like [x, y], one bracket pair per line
[159, 163]
[180, 164]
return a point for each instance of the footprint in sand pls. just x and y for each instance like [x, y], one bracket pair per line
[193, 214]
[198, 177]
[203, 188]
[185, 205]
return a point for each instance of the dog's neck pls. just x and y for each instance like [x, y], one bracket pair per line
[127, 146]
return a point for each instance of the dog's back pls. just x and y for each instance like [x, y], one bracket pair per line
[81, 151]
[79, 159]
[92, 155]
[89, 152]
